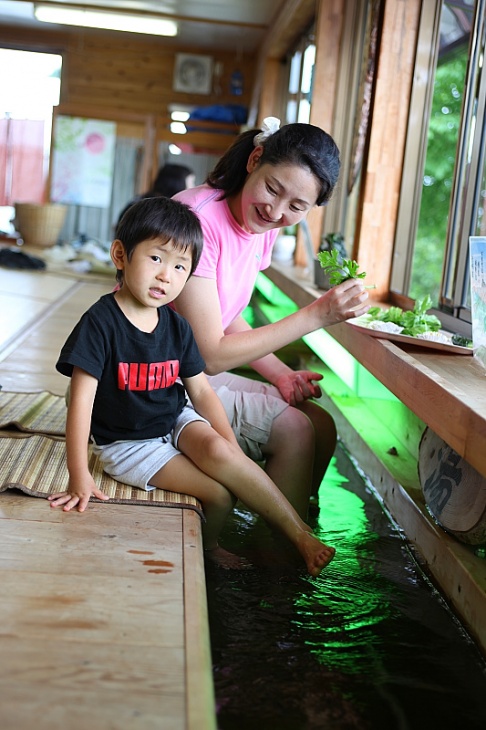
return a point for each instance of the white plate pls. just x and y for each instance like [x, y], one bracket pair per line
[360, 325]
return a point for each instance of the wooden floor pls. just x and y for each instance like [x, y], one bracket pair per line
[103, 615]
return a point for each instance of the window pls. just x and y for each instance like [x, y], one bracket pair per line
[30, 84]
[301, 69]
[443, 185]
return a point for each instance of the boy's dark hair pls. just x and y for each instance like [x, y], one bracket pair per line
[293, 144]
[162, 218]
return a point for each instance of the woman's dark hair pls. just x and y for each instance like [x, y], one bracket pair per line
[162, 218]
[171, 179]
[293, 144]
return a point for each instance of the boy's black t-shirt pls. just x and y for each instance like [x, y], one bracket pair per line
[137, 396]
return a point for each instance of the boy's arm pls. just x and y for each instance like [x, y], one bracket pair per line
[208, 405]
[78, 426]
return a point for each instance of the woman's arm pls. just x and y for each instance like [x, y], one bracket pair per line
[199, 304]
[295, 386]
[78, 428]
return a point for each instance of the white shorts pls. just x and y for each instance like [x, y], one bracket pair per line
[135, 462]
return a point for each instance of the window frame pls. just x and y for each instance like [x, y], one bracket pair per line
[453, 309]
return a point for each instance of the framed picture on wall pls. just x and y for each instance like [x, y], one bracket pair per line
[193, 73]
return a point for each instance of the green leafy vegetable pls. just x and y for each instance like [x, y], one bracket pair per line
[414, 322]
[338, 268]
[461, 340]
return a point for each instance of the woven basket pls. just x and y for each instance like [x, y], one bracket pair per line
[40, 225]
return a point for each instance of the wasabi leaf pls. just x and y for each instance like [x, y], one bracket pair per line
[338, 268]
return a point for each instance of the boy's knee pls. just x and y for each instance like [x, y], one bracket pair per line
[217, 449]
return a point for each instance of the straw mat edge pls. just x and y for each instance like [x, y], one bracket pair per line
[41, 412]
[37, 466]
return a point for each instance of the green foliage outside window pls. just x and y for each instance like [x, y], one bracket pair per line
[438, 175]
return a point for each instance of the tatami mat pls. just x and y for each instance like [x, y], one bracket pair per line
[33, 412]
[36, 465]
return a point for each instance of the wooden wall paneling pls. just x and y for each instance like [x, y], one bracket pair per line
[205, 142]
[270, 100]
[104, 70]
[71, 109]
[132, 130]
[382, 177]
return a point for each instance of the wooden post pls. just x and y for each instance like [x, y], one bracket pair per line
[382, 177]
[270, 101]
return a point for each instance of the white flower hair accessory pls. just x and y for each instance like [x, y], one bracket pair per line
[270, 126]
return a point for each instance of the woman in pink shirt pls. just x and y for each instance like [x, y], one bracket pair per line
[267, 179]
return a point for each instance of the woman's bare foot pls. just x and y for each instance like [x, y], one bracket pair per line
[224, 559]
[315, 553]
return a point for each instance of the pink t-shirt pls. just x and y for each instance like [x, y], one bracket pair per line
[230, 255]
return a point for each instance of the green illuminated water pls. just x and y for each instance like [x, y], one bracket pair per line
[367, 645]
[370, 644]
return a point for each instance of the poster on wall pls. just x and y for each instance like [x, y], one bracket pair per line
[83, 157]
[477, 258]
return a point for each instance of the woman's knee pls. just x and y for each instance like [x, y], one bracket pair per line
[292, 427]
[322, 421]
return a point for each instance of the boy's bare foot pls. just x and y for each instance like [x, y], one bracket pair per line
[224, 559]
[315, 553]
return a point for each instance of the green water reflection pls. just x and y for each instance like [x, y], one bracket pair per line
[350, 593]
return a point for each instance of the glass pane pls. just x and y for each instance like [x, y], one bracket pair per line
[304, 111]
[292, 109]
[294, 78]
[308, 70]
[443, 132]
[480, 226]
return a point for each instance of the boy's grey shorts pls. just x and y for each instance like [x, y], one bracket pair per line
[251, 407]
[135, 462]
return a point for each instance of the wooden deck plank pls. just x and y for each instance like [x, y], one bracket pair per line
[21, 707]
[108, 590]
[24, 296]
[84, 531]
[198, 650]
[28, 363]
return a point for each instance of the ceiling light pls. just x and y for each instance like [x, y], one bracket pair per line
[179, 116]
[150, 25]
[178, 128]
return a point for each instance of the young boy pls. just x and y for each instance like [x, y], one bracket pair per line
[131, 359]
